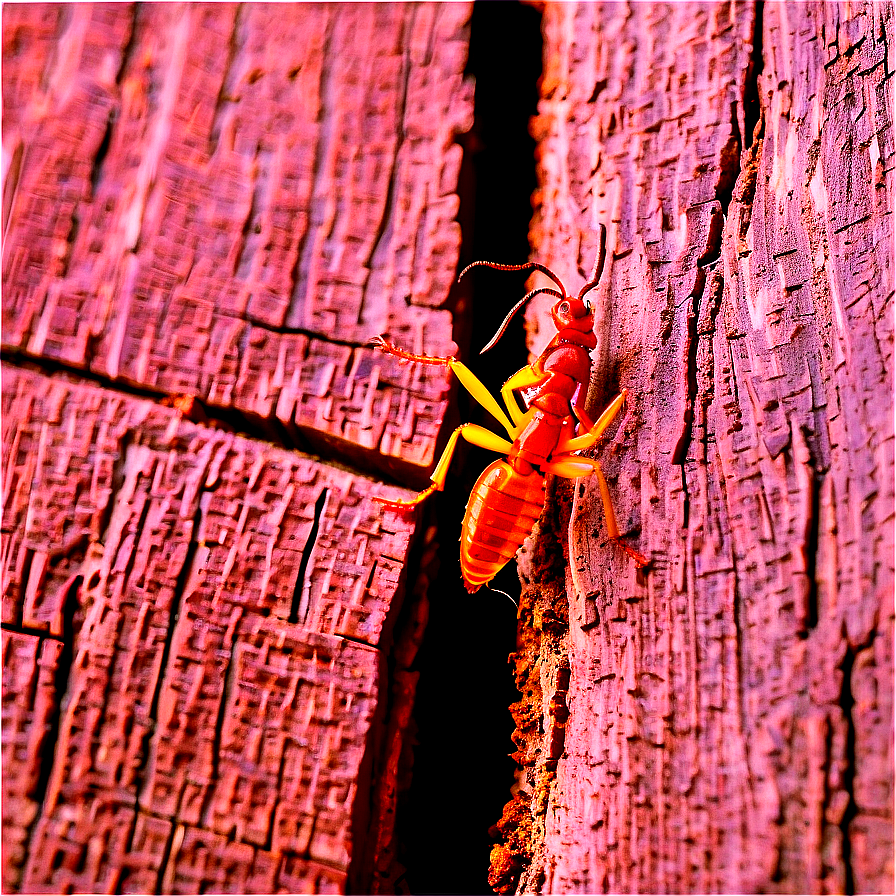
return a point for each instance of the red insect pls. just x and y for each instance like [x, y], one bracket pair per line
[509, 496]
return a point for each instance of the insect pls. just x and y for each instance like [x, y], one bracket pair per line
[509, 496]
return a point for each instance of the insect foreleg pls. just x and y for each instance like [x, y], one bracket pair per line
[466, 376]
[522, 379]
[472, 384]
[580, 443]
[388, 348]
[476, 435]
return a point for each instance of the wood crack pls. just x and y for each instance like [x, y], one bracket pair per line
[847, 702]
[301, 598]
[65, 659]
[227, 419]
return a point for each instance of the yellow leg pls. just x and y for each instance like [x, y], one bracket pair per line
[472, 384]
[466, 376]
[583, 418]
[580, 443]
[476, 435]
[522, 379]
[572, 468]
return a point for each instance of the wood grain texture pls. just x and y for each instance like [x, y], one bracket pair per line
[229, 201]
[725, 723]
[208, 211]
[225, 672]
[226, 667]
[30, 706]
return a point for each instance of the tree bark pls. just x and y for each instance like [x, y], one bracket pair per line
[209, 210]
[723, 721]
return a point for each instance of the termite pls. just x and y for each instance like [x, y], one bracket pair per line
[509, 496]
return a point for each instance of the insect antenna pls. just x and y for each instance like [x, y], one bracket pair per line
[528, 266]
[598, 269]
[541, 289]
[499, 591]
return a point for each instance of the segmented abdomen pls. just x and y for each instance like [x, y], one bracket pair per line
[501, 513]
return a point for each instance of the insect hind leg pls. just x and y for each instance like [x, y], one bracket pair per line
[476, 435]
[574, 466]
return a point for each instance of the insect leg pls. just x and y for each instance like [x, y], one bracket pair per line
[476, 435]
[520, 380]
[472, 384]
[388, 348]
[580, 443]
[571, 468]
[466, 376]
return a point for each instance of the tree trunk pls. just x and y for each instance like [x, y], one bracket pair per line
[722, 721]
[208, 212]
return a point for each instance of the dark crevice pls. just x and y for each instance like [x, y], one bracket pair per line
[128, 49]
[713, 248]
[465, 682]
[99, 157]
[173, 612]
[729, 164]
[227, 676]
[847, 702]
[810, 541]
[152, 710]
[27, 563]
[60, 688]
[165, 856]
[30, 630]
[298, 612]
[680, 452]
[752, 105]
[811, 620]
[272, 806]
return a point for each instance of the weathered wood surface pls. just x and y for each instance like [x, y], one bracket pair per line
[220, 203]
[228, 201]
[724, 722]
[225, 670]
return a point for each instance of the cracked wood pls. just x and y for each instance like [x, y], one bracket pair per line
[203, 198]
[212, 208]
[731, 713]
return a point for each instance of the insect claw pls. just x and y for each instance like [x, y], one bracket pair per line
[639, 559]
[404, 506]
[397, 506]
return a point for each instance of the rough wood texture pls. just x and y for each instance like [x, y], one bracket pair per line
[225, 672]
[30, 705]
[723, 723]
[204, 197]
[209, 209]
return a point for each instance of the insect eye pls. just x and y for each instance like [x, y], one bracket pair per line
[563, 308]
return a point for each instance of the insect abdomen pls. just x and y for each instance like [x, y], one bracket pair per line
[501, 513]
